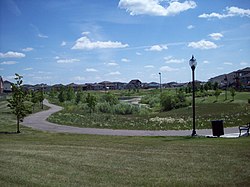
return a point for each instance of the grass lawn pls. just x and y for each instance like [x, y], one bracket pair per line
[45, 159]
[34, 158]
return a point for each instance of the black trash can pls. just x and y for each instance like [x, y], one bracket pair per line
[217, 127]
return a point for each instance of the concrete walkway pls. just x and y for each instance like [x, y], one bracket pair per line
[38, 121]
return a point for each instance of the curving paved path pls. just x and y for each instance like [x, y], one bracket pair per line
[38, 121]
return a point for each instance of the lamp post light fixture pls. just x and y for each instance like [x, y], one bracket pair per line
[160, 81]
[193, 63]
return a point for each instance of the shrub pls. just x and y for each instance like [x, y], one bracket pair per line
[125, 109]
[167, 102]
[104, 107]
[110, 98]
[248, 101]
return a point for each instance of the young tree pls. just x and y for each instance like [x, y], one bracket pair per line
[62, 95]
[233, 93]
[40, 97]
[70, 93]
[78, 98]
[34, 99]
[16, 102]
[217, 93]
[216, 86]
[91, 102]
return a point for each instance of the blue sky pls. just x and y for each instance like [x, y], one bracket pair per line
[82, 41]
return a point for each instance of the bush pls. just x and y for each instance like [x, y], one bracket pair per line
[167, 102]
[104, 107]
[110, 98]
[125, 109]
[248, 101]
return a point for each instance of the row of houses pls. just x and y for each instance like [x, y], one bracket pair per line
[239, 79]
[105, 85]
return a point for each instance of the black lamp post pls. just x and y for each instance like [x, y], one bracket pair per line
[193, 63]
[160, 81]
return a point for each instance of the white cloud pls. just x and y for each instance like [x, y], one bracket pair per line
[149, 66]
[91, 70]
[125, 60]
[42, 35]
[230, 12]
[190, 27]
[115, 73]
[85, 43]
[137, 53]
[154, 7]
[202, 44]
[172, 60]
[63, 43]
[85, 33]
[56, 57]
[67, 61]
[168, 69]
[112, 64]
[27, 69]
[206, 62]
[228, 63]
[216, 36]
[27, 49]
[157, 48]
[78, 78]
[9, 62]
[11, 54]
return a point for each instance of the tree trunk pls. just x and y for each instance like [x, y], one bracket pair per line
[18, 121]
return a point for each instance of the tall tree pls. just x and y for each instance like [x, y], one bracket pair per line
[16, 102]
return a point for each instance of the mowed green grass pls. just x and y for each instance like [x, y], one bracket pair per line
[46, 159]
[35, 158]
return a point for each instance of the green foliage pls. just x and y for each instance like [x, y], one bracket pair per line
[125, 109]
[104, 107]
[79, 97]
[233, 93]
[217, 93]
[91, 102]
[16, 102]
[169, 102]
[215, 86]
[110, 98]
[70, 94]
[151, 100]
[62, 95]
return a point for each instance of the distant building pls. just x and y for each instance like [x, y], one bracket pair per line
[1, 85]
[7, 87]
[238, 79]
[134, 84]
